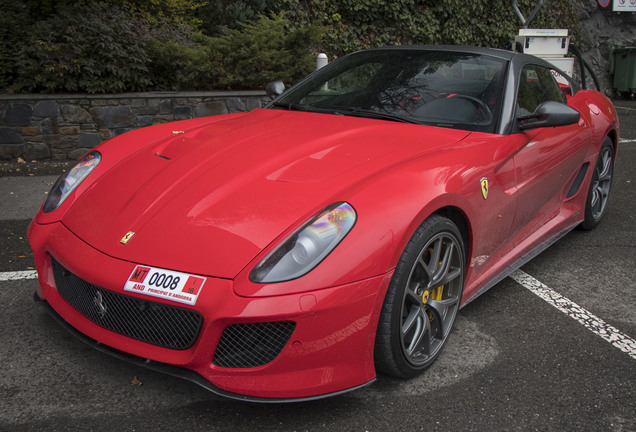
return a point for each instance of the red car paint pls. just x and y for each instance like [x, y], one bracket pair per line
[213, 196]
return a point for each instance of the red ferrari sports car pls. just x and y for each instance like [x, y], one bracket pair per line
[293, 252]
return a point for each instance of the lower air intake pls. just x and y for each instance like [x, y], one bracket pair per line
[253, 344]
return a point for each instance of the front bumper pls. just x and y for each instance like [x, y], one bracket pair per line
[329, 351]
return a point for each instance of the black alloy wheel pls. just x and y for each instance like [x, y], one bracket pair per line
[422, 300]
[600, 186]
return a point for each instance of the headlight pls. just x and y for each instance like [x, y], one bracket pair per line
[307, 247]
[69, 181]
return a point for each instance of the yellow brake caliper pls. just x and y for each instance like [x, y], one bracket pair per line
[435, 294]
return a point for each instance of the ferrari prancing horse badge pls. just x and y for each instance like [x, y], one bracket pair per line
[127, 237]
[484, 187]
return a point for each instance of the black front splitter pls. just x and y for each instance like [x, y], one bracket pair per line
[176, 371]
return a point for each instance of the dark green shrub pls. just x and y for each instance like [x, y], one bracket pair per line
[159, 12]
[14, 22]
[220, 14]
[358, 24]
[92, 47]
[183, 65]
[495, 24]
[369, 23]
[249, 58]
[134, 45]
[263, 51]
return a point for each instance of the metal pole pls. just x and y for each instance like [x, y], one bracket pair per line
[321, 60]
[524, 21]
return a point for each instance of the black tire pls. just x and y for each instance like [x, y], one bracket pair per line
[422, 300]
[600, 186]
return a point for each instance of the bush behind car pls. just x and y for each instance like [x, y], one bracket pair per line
[119, 46]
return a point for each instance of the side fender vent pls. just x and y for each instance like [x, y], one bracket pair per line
[576, 184]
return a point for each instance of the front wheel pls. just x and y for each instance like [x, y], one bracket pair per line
[422, 300]
[600, 186]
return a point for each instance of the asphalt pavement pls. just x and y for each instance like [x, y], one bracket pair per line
[515, 361]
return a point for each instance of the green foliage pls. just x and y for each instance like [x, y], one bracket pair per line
[245, 58]
[134, 45]
[13, 29]
[158, 12]
[495, 24]
[93, 48]
[265, 50]
[358, 24]
[232, 14]
[367, 23]
[153, 10]
[182, 66]
[42, 9]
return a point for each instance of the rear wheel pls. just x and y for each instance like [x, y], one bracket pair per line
[600, 186]
[422, 300]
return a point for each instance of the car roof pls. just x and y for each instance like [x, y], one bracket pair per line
[491, 52]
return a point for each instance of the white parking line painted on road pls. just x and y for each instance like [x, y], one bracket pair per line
[593, 323]
[18, 275]
[625, 141]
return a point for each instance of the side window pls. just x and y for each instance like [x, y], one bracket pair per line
[536, 85]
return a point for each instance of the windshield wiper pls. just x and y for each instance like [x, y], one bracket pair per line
[369, 113]
[289, 106]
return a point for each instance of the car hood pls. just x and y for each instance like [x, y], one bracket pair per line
[207, 199]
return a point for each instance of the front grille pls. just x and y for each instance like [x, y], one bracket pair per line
[253, 344]
[155, 323]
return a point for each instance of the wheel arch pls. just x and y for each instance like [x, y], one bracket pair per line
[613, 135]
[390, 356]
[459, 218]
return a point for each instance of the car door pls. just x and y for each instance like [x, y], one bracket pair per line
[549, 156]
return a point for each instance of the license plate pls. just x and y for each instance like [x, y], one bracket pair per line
[167, 284]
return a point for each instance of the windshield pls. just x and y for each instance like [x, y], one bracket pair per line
[448, 89]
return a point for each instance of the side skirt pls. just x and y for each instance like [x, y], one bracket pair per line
[521, 262]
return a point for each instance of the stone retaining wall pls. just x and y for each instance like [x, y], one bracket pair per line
[61, 127]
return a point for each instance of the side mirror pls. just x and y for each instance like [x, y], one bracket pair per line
[274, 89]
[549, 114]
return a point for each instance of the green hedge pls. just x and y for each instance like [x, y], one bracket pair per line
[101, 50]
[125, 45]
[249, 58]
[358, 24]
